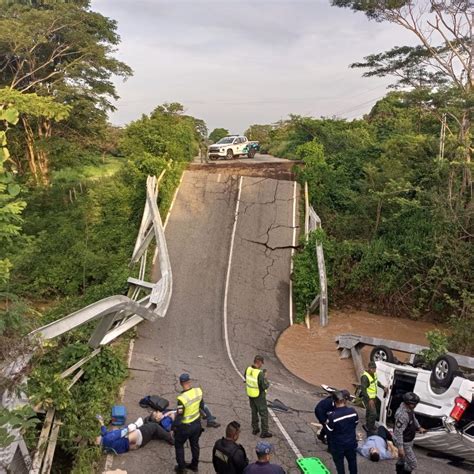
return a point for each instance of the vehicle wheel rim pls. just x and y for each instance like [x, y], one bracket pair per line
[441, 369]
[380, 355]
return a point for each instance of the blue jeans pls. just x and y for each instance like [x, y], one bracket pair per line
[208, 414]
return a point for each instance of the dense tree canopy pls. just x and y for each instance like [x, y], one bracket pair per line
[217, 134]
[60, 50]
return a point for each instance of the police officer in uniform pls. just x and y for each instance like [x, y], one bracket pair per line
[257, 386]
[188, 424]
[368, 384]
[228, 457]
[406, 426]
[321, 411]
[341, 429]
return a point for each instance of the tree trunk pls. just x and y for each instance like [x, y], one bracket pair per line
[30, 149]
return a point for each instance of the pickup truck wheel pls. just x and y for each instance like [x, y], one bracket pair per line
[382, 353]
[251, 153]
[229, 155]
[444, 370]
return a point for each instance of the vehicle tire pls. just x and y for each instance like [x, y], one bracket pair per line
[382, 354]
[444, 370]
[229, 155]
[251, 153]
[212, 158]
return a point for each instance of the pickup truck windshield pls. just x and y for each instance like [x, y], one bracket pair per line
[226, 140]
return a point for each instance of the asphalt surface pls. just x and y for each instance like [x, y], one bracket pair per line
[191, 336]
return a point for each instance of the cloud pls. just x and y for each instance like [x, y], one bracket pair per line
[237, 62]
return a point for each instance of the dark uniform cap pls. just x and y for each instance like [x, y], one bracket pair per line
[346, 394]
[184, 378]
[411, 398]
[258, 357]
[339, 396]
[372, 365]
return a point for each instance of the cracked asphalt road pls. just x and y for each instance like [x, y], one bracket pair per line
[190, 337]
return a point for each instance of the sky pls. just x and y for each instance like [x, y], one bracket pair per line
[235, 63]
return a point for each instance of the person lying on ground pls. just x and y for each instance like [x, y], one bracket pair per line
[164, 418]
[135, 436]
[228, 457]
[263, 465]
[379, 447]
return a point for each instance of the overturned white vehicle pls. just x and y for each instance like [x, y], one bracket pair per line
[446, 407]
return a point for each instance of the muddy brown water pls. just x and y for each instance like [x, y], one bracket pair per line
[313, 356]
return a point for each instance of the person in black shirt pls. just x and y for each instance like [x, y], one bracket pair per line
[228, 457]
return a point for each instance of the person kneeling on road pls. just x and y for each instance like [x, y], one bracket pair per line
[135, 436]
[341, 425]
[263, 465]
[378, 447]
[228, 457]
[322, 410]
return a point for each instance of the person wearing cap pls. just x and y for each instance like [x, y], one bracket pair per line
[341, 426]
[228, 457]
[256, 387]
[321, 411]
[187, 425]
[368, 386]
[263, 464]
[406, 426]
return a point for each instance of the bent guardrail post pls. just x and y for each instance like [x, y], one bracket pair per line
[313, 222]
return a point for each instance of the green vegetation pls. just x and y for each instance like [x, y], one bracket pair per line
[217, 134]
[396, 207]
[72, 191]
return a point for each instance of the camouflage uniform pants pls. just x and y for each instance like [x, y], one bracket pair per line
[409, 461]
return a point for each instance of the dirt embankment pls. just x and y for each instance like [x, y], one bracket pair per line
[313, 356]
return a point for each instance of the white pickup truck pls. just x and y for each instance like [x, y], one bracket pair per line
[231, 147]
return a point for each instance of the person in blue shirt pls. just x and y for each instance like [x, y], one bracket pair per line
[341, 427]
[321, 411]
[378, 447]
[135, 436]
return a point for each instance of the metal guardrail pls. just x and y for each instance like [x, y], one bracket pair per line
[312, 223]
[115, 315]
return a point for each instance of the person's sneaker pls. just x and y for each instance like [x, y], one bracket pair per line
[213, 424]
[180, 470]
[266, 435]
[255, 431]
[191, 467]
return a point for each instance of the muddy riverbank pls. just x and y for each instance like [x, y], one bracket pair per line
[313, 356]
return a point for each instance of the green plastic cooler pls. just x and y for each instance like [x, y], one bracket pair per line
[312, 466]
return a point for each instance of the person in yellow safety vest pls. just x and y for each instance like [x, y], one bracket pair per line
[256, 386]
[368, 384]
[187, 425]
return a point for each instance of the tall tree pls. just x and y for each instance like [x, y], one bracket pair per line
[442, 60]
[217, 134]
[62, 50]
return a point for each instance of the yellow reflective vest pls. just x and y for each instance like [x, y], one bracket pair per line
[191, 401]
[251, 381]
[372, 388]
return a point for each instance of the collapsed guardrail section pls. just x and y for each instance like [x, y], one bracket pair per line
[146, 300]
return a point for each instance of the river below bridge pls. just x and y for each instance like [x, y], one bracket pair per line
[312, 354]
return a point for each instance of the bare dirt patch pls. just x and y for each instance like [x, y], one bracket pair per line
[313, 356]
